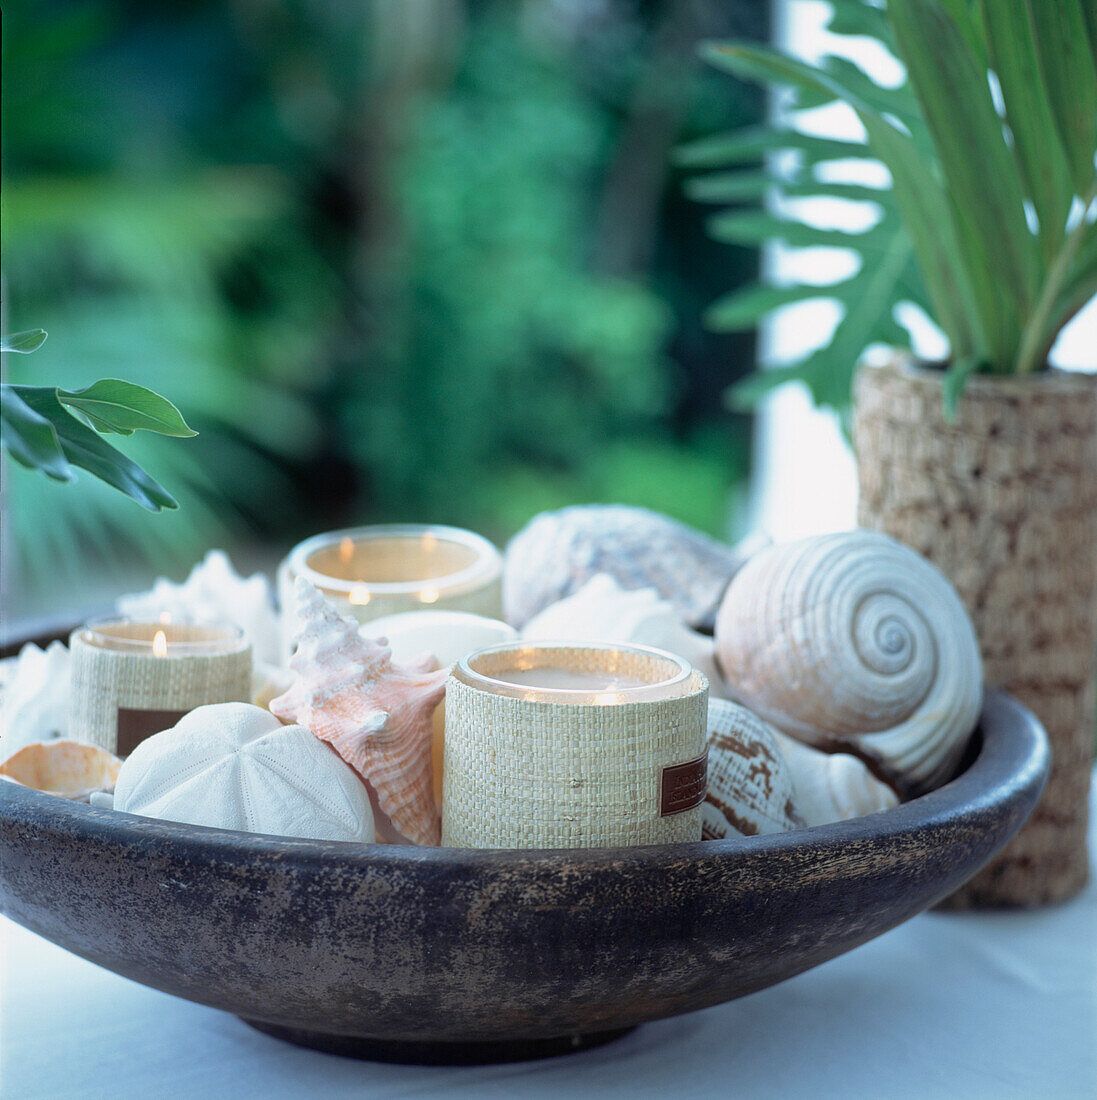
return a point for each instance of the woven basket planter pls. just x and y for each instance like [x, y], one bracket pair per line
[1004, 501]
[525, 773]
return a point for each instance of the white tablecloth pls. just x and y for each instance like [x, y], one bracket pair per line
[947, 1005]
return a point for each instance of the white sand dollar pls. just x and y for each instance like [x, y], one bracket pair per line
[235, 766]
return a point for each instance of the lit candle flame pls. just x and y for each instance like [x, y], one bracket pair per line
[429, 595]
[160, 644]
[359, 595]
[346, 550]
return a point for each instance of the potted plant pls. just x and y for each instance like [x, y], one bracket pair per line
[985, 463]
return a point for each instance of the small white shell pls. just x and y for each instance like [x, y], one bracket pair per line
[235, 766]
[749, 787]
[855, 642]
[831, 786]
[65, 768]
[603, 611]
[34, 699]
[214, 590]
[375, 713]
[556, 553]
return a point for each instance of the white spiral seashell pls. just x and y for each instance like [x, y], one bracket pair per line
[556, 553]
[603, 611]
[855, 642]
[750, 788]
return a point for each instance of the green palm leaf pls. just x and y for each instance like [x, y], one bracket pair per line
[30, 438]
[1069, 66]
[987, 204]
[124, 407]
[954, 236]
[1041, 163]
[82, 447]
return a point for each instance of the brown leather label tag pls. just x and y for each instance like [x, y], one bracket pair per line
[135, 725]
[683, 786]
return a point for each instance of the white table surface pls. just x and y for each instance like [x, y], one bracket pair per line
[947, 1005]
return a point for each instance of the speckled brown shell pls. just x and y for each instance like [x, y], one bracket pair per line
[749, 787]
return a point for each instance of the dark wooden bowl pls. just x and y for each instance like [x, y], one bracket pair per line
[464, 955]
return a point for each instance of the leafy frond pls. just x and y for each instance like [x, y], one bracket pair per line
[980, 225]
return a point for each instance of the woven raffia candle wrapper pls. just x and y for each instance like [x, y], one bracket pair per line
[106, 681]
[531, 774]
[1004, 501]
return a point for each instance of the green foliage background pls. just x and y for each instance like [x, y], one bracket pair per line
[379, 261]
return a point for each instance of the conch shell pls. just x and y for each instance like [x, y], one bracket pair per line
[556, 553]
[749, 787]
[854, 642]
[66, 768]
[831, 786]
[374, 713]
[603, 611]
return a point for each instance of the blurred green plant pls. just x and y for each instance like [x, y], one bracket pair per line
[49, 429]
[159, 264]
[543, 360]
[356, 247]
[988, 225]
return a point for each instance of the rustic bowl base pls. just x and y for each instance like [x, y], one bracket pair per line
[438, 1054]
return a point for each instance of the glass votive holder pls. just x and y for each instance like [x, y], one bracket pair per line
[367, 572]
[573, 746]
[133, 679]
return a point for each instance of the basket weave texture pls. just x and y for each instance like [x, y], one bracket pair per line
[537, 774]
[105, 681]
[1004, 501]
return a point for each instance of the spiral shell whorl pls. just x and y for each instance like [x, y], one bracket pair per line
[854, 641]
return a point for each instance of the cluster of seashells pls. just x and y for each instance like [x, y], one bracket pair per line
[844, 677]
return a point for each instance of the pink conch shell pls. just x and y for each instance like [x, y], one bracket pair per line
[65, 768]
[374, 713]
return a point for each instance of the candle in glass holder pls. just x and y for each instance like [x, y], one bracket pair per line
[368, 572]
[571, 746]
[133, 679]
